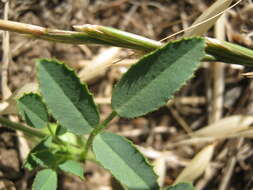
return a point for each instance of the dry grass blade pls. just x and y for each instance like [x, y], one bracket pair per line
[6, 92]
[231, 163]
[230, 127]
[160, 169]
[99, 64]
[248, 133]
[248, 75]
[191, 141]
[197, 166]
[194, 27]
[225, 127]
[218, 7]
[217, 76]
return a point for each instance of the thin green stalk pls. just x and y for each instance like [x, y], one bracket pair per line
[96, 131]
[119, 38]
[20, 127]
[55, 137]
[50, 130]
[227, 52]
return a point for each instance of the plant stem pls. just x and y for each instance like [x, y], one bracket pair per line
[216, 50]
[63, 36]
[55, 137]
[20, 127]
[96, 131]
[119, 38]
[228, 52]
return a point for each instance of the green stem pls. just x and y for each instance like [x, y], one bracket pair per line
[229, 53]
[56, 138]
[92, 34]
[50, 130]
[119, 38]
[20, 127]
[96, 131]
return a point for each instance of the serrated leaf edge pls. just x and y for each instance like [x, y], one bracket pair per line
[31, 93]
[84, 86]
[32, 151]
[82, 177]
[172, 96]
[33, 188]
[133, 145]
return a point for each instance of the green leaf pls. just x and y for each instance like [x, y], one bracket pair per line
[181, 186]
[73, 167]
[124, 161]
[44, 158]
[70, 138]
[45, 180]
[33, 110]
[41, 155]
[67, 99]
[151, 82]
[30, 162]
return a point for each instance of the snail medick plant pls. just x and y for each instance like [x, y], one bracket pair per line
[62, 98]
[145, 87]
[71, 104]
[62, 110]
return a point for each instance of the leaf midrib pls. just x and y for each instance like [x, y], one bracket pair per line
[48, 178]
[132, 169]
[147, 84]
[34, 114]
[51, 174]
[66, 97]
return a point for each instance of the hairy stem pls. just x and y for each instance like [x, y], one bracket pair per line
[96, 131]
[20, 127]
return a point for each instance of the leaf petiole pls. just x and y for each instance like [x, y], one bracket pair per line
[96, 131]
[23, 128]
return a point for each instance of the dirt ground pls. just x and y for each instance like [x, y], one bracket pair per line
[159, 133]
